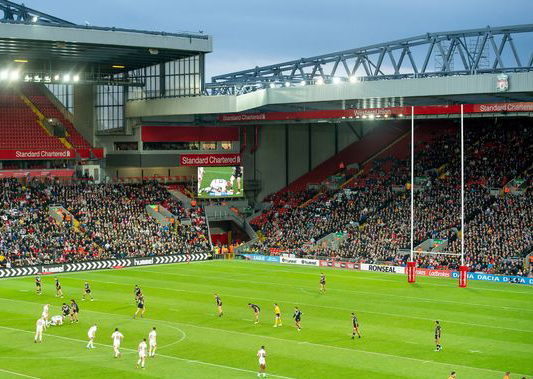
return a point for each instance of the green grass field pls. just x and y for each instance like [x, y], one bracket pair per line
[487, 328]
[211, 173]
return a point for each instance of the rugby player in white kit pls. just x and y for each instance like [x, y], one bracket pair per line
[142, 353]
[45, 312]
[153, 343]
[117, 339]
[91, 334]
[55, 321]
[261, 354]
[40, 326]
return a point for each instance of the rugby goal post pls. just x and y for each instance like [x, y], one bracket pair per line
[411, 265]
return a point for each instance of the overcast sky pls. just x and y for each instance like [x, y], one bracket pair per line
[254, 33]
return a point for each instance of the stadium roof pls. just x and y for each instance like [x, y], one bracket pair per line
[44, 42]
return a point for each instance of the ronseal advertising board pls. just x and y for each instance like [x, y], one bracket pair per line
[382, 268]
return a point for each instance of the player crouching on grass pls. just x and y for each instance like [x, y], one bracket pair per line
[142, 353]
[153, 343]
[91, 334]
[257, 310]
[277, 312]
[261, 354]
[55, 321]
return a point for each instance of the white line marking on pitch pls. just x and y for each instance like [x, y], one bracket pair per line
[19, 374]
[159, 355]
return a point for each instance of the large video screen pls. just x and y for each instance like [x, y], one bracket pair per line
[216, 182]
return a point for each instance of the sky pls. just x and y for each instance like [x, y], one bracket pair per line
[252, 33]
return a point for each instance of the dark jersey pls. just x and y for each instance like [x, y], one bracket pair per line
[322, 279]
[58, 285]
[138, 292]
[255, 307]
[218, 301]
[354, 320]
[297, 315]
[237, 171]
[87, 288]
[437, 331]
[75, 308]
[140, 303]
[66, 310]
[38, 281]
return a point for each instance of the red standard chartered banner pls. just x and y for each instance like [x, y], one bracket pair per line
[37, 154]
[210, 159]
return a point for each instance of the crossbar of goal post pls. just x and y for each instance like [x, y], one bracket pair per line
[411, 265]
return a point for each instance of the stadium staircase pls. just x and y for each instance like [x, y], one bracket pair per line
[43, 107]
[21, 127]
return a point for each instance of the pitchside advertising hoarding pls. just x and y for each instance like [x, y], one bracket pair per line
[262, 258]
[496, 278]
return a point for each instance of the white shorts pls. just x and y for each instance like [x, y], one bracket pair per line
[45, 315]
[142, 355]
[116, 345]
[39, 330]
[153, 344]
[262, 361]
[90, 335]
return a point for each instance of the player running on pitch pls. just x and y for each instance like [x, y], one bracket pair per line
[153, 343]
[87, 291]
[322, 282]
[142, 353]
[256, 310]
[91, 334]
[138, 292]
[261, 354]
[277, 313]
[140, 307]
[438, 331]
[218, 301]
[297, 318]
[40, 326]
[59, 291]
[38, 285]
[74, 310]
[117, 339]
[44, 315]
[355, 325]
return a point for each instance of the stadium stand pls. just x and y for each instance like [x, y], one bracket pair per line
[376, 219]
[112, 222]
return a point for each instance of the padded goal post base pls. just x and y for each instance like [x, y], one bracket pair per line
[411, 272]
[463, 276]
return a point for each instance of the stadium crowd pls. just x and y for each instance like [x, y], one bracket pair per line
[375, 219]
[112, 220]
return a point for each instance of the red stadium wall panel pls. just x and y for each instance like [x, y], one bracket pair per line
[210, 159]
[152, 133]
[37, 154]
[339, 264]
